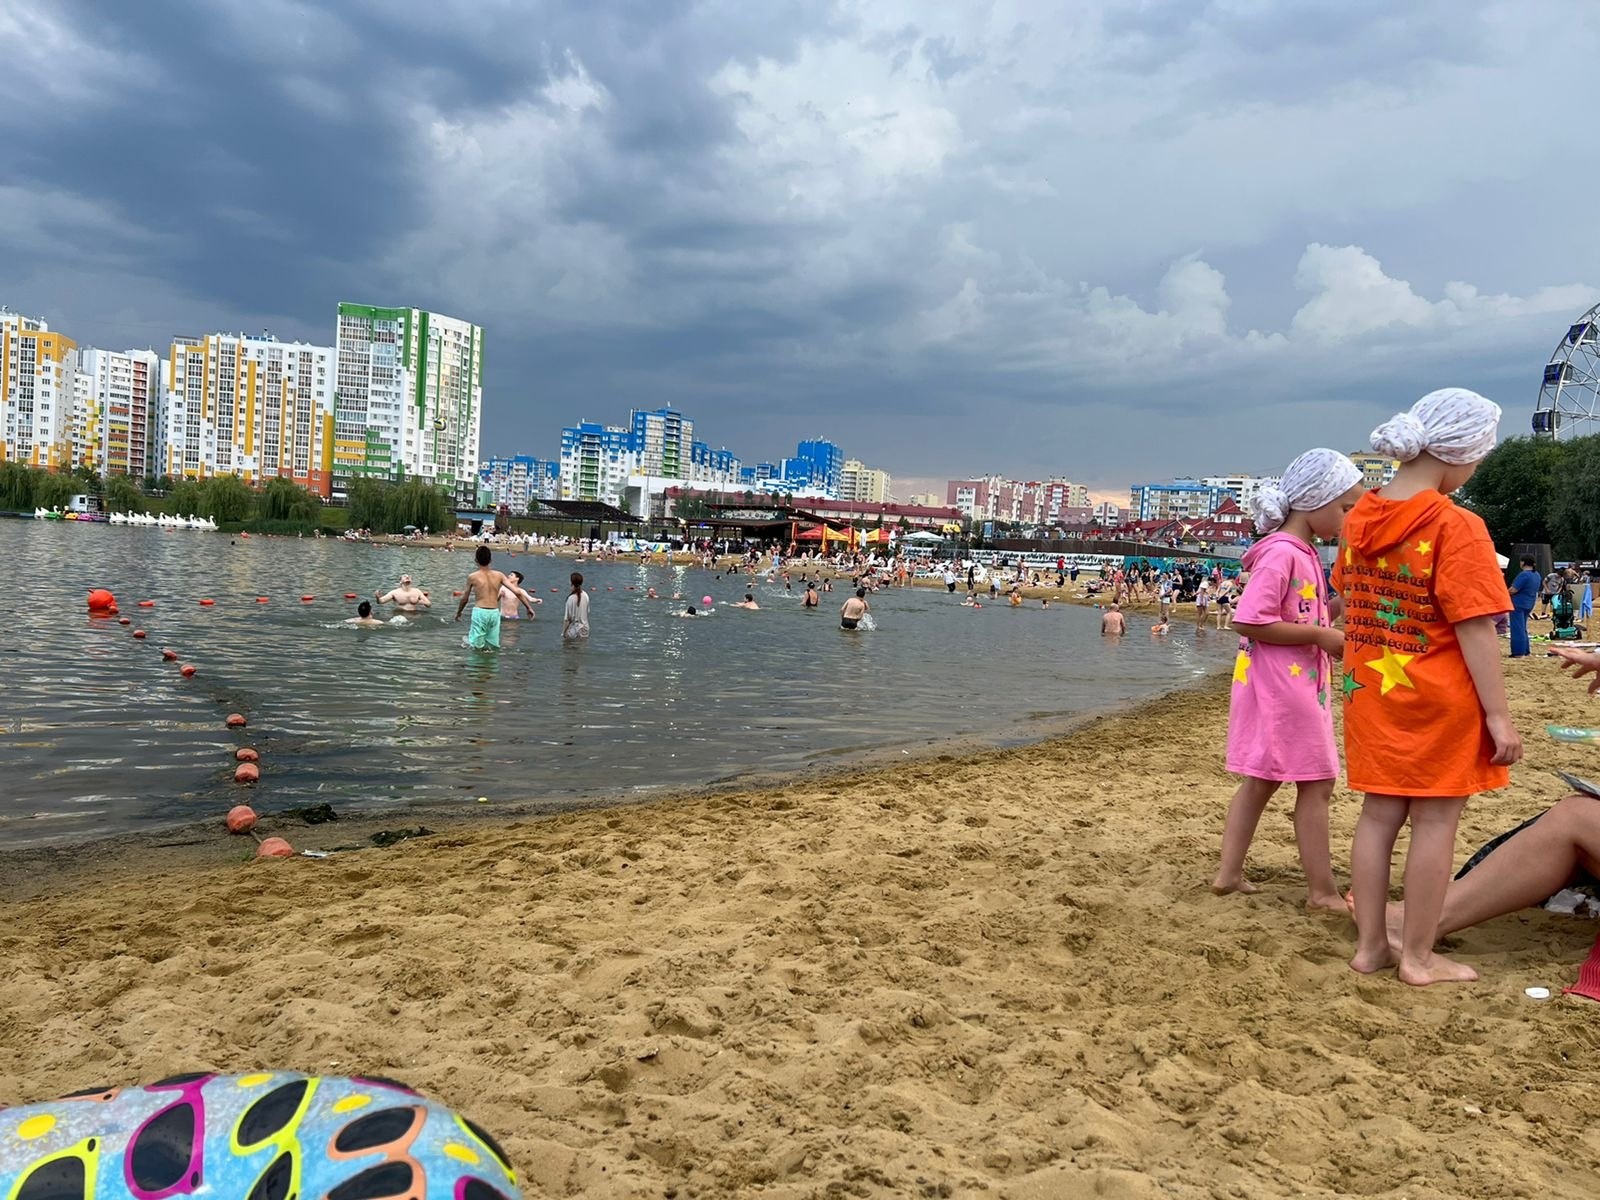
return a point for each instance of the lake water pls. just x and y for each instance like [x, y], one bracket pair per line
[99, 735]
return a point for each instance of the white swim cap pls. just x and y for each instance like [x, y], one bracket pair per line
[1316, 478]
[1452, 424]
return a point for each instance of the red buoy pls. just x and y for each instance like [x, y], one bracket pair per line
[246, 754]
[207, 603]
[170, 655]
[241, 818]
[102, 603]
[147, 604]
[274, 847]
[124, 621]
[235, 720]
[139, 633]
[186, 670]
[349, 595]
[261, 599]
[307, 599]
[246, 773]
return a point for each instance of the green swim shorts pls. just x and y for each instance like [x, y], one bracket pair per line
[485, 631]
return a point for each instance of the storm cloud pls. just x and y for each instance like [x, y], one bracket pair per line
[1108, 240]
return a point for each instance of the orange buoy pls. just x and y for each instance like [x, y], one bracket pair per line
[274, 847]
[207, 603]
[246, 754]
[307, 599]
[147, 604]
[246, 773]
[241, 818]
[139, 633]
[124, 621]
[170, 655]
[349, 595]
[102, 603]
[186, 670]
[455, 593]
[236, 721]
[261, 599]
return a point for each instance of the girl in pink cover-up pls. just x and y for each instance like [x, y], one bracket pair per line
[1280, 720]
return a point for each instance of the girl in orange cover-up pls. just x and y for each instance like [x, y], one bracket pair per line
[1426, 722]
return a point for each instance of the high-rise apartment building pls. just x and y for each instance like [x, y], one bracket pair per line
[116, 410]
[863, 484]
[518, 480]
[824, 464]
[596, 461]
[251, 406]
[37, 390]
[664, 441]
[1180, 500]
[408, 398]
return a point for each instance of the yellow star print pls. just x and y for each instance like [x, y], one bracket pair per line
[1349, 558]
[1308, 590]
[1241, 669]
[1383, 563]
[1424, 547]
[1294, 669]
[1392, 667]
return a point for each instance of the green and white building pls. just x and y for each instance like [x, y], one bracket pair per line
[408, 398]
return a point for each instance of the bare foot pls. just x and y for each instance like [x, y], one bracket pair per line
[1226, 887]
[1436, 968]
[1332, 902]
[1373, 962]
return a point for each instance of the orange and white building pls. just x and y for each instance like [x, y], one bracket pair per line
[247, 405]
[117, 401]
[36, 392]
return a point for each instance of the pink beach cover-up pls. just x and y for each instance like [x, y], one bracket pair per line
[1280, 723]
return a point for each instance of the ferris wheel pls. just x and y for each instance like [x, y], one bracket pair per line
[1569, 397]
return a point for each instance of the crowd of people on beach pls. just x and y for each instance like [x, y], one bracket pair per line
[1404, 630]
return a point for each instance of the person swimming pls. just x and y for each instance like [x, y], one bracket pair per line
[364, 617]
[749, 601]
[812, 600]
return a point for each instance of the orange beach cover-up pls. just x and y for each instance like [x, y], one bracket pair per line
[1409, 572]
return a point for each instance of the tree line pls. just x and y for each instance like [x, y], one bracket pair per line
[1535, 490]
[282, 506]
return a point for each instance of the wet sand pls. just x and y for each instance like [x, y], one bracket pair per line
[999, 973]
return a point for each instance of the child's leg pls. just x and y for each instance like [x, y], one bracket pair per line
[1311, 838]
[1244, 814]
[1433, 847]
[1370, 855]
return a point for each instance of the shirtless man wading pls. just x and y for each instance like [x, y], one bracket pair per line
[483, 589]
[853, 609]
[407, 597]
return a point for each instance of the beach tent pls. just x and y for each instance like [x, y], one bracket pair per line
[878, 536]
[924, 536]
[818, 532]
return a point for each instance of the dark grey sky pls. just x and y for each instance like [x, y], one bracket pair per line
[1104, 239]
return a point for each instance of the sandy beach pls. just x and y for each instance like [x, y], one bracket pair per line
[997, 974]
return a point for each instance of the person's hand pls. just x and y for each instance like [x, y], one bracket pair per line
[1580, 663]
[1507, 741]
[1332, 641]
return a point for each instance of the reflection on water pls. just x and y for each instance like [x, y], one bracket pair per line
[98, 734]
